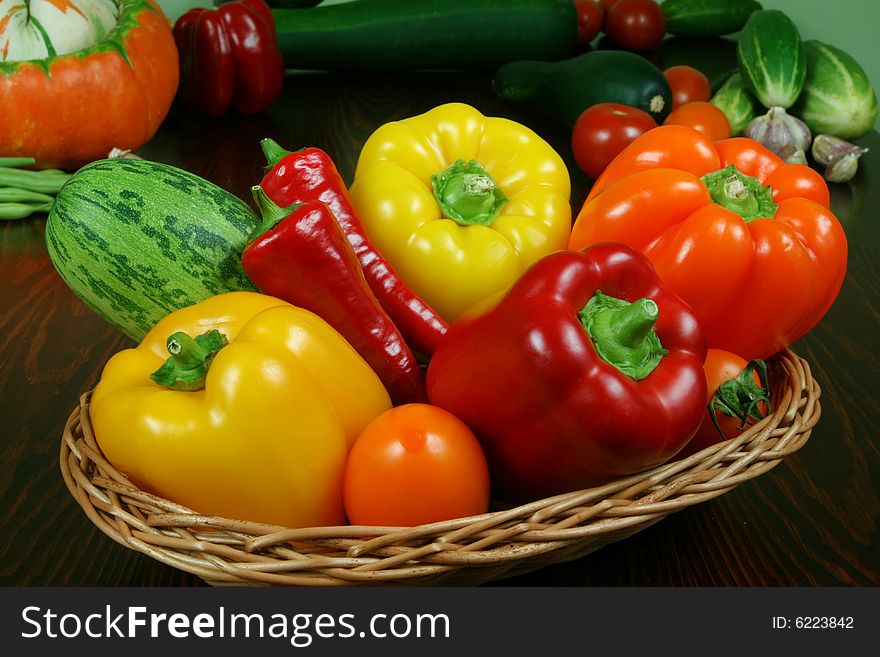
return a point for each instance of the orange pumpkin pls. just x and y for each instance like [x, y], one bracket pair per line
[65, 110]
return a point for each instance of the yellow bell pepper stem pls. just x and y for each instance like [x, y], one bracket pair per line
[190, 359]
[467, 193]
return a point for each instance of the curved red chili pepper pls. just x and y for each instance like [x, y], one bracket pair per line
[301, 256]
[310, 174]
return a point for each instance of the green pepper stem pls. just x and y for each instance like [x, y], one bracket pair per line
[635, 321]
[271, 213]
[623, 333]
[187, 367]
[745, 195]
[468, 194]
[272, 151]
[741, 397]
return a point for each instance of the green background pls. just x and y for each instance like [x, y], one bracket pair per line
[851, 25]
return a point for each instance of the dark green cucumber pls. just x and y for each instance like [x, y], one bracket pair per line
[136, 240]
[706, 18]
[292, 4]
[771, 58]
[425, 34]
[566, 88]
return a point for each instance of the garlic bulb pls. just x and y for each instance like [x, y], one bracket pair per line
[778, 129]
[840, 158]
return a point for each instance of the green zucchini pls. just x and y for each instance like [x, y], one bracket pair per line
[566, 88]
[425, 34]
[738, 104]
[136, 240]
[771, 58]
[706, 18]
[838, 98]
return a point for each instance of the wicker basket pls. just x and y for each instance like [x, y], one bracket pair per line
[463, 551]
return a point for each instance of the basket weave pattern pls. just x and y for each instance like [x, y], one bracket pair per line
[463, 551]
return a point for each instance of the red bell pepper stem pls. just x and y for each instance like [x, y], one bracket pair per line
[310, 174]
[301, 256]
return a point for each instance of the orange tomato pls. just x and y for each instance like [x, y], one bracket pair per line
[688, 85]
[703, 117]
[412, 465]
[722, 367]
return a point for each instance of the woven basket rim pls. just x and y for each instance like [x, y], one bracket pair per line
[472, 550]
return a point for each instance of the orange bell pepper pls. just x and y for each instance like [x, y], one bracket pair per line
[747, 240]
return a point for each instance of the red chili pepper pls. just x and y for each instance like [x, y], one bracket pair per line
[586, 370]
[229, 56]
[310, 174]
[301, 256]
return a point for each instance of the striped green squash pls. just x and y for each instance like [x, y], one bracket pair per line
[838, 98]
[136, 240]
[738, 104]
[771, 59]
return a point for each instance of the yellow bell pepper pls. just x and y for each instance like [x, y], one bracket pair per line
[460, 204]
[252, 420]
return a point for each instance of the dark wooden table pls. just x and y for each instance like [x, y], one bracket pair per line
[814, 520]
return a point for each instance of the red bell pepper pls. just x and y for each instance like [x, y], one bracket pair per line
[310, 174]
[300, 255]
[229, 56]
[586, 370]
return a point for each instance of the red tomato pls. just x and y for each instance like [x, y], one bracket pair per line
[415, 464]
[602, 131]
[636, 24]
[703, 117]
[607, 4]
[687, 84]
[722, 366]
[589, 16]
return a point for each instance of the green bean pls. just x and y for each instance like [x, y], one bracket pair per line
[32, 180]
[18, 195]
[16, 161]
[21, 210]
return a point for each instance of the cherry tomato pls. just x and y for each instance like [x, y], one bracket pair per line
[602, 131]
[703, 117]
[721, 366]
[412, 465]
[636, 24]
[589, 16]
[687, 84]
[607, 4]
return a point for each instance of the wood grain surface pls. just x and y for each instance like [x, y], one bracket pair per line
[812, 521]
